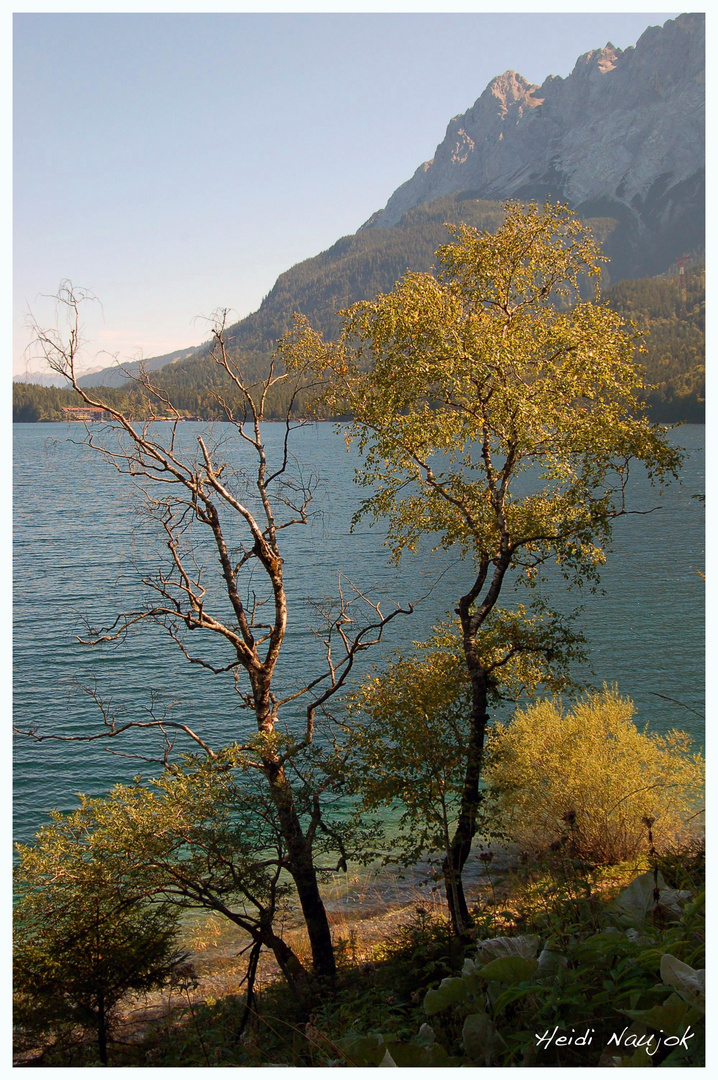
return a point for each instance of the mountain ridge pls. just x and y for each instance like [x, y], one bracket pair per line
[646, 208]
[625, 125]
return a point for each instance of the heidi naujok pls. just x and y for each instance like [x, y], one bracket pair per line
[626, 1038]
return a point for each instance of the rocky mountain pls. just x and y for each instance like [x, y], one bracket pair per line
[622, 137]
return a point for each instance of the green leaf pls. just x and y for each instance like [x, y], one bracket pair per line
[362, 1050]
[550, 960]
[408, 1056]
[448, 992]
[638, 1060]
[481, 1040]
[687, 981]
[634, 904]
[692, 1056]
[509, 996]
[509, 969]
[426, 1036]
[671, 1017]
[522, 945]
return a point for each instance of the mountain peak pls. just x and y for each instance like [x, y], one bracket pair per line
[509, 87]
[601, 60]
[625, 125]
[511, 91]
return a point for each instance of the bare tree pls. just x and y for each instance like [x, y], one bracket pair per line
[197, 496]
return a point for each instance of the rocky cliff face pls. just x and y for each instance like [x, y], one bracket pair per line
[621, 137]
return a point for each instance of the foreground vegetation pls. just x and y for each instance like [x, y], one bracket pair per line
[560, 946]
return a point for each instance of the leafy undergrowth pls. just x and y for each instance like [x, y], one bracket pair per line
[570, 965]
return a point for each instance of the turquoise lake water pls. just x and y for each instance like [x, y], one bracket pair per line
[81, 544]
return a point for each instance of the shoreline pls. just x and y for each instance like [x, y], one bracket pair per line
[363, 908]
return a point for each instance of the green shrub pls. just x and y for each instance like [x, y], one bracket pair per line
[83, 937]
[587, 778]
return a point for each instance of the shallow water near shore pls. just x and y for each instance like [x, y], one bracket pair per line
[80, 545]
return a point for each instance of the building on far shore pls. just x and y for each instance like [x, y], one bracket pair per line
[84, 412]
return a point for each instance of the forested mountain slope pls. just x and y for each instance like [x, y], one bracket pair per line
[673, 322]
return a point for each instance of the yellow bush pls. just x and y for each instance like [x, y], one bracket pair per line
[586, 778]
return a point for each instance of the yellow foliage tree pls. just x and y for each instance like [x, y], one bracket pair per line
[588, 777]
[500, 412]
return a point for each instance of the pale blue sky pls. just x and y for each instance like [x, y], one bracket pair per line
[176, 163]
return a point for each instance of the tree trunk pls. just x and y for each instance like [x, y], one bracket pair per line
[101, 1028]
[300, 864]
[290, 964]
[465, 831]
[315, 915]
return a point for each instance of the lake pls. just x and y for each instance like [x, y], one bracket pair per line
[81, 544]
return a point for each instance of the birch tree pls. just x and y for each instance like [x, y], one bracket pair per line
[497, 413]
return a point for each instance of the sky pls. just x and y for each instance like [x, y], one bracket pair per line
[176, 163]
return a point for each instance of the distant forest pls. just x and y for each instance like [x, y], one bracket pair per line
[360, 266]
[674, 325]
